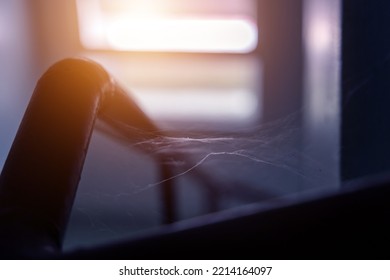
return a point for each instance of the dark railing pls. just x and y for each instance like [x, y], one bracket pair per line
[39, 181]
[40, 177]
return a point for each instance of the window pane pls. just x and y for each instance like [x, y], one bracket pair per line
[213, 26]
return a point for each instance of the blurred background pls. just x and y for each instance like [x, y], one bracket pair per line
[203, 68]
[270, 82]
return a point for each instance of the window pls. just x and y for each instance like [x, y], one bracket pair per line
[140, 42]
[169, 25]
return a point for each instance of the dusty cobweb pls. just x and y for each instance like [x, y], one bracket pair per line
[210, 170]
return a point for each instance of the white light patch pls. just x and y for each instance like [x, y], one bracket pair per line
[320, 35]
[91, 25]
[198, 104]
[187, 35]
[133, 31]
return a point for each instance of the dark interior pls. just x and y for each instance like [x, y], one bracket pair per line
[299, 171]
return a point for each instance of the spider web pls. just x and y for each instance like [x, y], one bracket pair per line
[120, 193]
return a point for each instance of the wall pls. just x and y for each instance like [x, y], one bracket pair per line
[17, 73]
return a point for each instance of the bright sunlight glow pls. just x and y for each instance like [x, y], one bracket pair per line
[164, 32]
